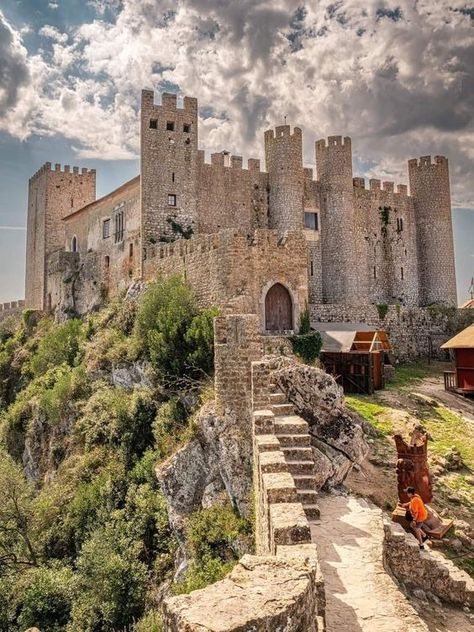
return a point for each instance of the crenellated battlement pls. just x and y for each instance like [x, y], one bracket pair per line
[228, 161]
[58, 168]
[282, 131]
[427, 162]
[13, 305]
[334, 141]
[386, 186]
[169, 102]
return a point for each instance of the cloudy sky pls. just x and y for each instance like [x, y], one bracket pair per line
[397, 76]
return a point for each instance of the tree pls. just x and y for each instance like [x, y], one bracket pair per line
[17, 542]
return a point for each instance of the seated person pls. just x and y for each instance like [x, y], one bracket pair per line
[416, 514]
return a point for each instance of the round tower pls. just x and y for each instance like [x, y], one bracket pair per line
[284, 163]
[341, 270]
[429, 187]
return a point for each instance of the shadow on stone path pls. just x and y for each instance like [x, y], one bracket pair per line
[361, 596]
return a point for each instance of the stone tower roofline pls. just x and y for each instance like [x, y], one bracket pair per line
[57, 168]
[232, 162]
[425, 161]
[334, 141]
[169, 101]
[377, 185]
[282, 131]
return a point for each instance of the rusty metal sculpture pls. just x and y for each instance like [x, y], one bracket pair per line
[412, 466]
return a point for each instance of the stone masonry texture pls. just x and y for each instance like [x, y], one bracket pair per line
[231, 228]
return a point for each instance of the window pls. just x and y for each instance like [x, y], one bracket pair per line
[107, 262]
[106, 229]
[172, 177]
[312, 268]
[399, 224]
[171, 199]
[153, 124]
[72, 202]
[375, 272]
[401, 273]
[311, 221]
[130, 251]
[74, 244]
[187, 128]
[119, 225]
[170, 126]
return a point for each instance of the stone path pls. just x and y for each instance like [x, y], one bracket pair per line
[360, 595]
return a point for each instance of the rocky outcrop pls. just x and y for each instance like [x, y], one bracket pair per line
[218, 459]
[131, 375]
[337, 437]
[260, 594]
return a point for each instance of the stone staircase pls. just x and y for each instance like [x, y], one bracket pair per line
[295, 443]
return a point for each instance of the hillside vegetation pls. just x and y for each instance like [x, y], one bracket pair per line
[87, 409]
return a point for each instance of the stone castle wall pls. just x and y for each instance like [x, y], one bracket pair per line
[11, 310]
[52, 195]
[413, 332]
[118, 255]
[387, 231]
[234, 271]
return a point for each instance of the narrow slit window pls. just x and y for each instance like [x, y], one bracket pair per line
[375, 272]
[130, 251]
[106, 229]
[312, 268]
[172, 177]
[119, 227]
[401, 273]
[107, 262]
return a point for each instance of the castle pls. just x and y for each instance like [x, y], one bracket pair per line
[267, 242]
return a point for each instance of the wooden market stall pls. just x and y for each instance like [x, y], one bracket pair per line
[461, 379]
[355, 354]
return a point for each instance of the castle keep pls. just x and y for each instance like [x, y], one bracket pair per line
[252, 241]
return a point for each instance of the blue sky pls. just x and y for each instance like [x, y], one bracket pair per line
[397, 77]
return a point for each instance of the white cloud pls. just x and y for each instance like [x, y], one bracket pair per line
[398, 80]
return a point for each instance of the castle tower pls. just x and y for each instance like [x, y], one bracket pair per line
[341, 270]
[169, 172]
[284, 163]
[429, 187]
[52, 195]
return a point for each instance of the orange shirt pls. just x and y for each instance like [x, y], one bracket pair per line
[418, 509]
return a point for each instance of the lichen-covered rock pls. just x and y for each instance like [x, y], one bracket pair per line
[261, 594]
[320, 401]
[131, 375]
[218, 459]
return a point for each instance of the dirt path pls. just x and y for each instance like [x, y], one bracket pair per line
[434, 387]
[360, 595]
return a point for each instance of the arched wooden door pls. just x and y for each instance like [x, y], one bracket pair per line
[278, 309]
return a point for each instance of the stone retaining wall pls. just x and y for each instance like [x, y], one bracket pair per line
[413, 332]
[427, 570]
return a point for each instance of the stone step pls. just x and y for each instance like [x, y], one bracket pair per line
[282, 409]
[305, 482]
[312, 512]
[293, 440]
[303, 453]
[307, 496]
[290, 424]
[277, 398]
[301, 468]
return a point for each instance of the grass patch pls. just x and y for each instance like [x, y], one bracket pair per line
[371, 412]
[406, 374]
[450, 430]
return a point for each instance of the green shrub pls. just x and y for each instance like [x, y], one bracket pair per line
[199, 575]
[46, 598]
[382, 309]
[307, 346]
[112, 583]
[304, 325]
[61, 344]
[170, 426]
[151, 622]
[177, 338]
